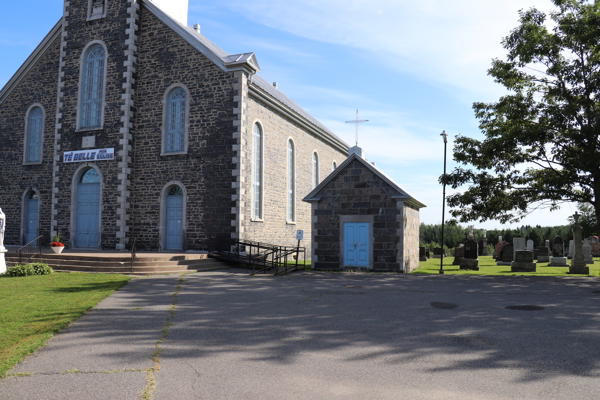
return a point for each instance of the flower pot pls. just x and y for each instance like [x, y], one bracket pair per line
[57, 249]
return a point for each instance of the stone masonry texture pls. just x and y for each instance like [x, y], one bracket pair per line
[39, 86]
[357, 191]
[277, 130]
[215, 172]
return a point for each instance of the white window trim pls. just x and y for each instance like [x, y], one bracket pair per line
[24, 211]
[80, 94]
[74, 186]
[333, 165]
[26, 140]
[287, 163]
[262, 175]
[318, 172]
[91, 17]
[162, 237]
[188, 100]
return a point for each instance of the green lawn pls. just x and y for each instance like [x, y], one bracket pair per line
[34, 308]
[487, 266]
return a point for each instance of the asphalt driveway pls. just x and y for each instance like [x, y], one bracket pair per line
[225, 335]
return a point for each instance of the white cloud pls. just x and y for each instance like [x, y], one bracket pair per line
[449, 43]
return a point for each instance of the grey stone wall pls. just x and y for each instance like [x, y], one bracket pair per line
[412, 220]
[78, 34]
[277, 129]
[38, 86]
[164, 59]
[357, 191]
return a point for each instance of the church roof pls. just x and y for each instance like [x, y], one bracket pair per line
[259, 87]
[402, 193]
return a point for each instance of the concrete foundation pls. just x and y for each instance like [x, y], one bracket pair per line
[470, 263]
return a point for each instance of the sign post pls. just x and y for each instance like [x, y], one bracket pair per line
[299, 237]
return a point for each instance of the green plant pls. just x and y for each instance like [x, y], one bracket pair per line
[29, 269]
[56, 237]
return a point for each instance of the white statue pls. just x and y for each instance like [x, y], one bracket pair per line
[485, 233]
[2, 228]
[470, 231]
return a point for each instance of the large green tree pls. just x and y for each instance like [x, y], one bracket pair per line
[541, 145]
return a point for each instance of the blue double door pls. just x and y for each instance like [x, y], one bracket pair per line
[356, 244]
[88, 215]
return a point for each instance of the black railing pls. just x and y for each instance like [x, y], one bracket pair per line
[264, 258]
[30, 250]
[133, 254]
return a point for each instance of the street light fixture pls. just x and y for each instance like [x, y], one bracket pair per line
[444, 135]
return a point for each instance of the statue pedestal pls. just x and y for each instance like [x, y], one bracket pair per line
[2, 261]
[558, 262]
[470, 264]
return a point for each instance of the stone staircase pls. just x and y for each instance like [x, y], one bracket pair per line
[120, 263]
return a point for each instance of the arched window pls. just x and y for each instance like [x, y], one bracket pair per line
[90, 176]
[333, 166]
[175, 123]
[291, 161]
[315, 166]
[35, 122]
[92, 94]
[257, 171]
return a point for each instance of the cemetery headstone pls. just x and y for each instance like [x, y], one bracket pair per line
[535, 254]
[422, 256]
[437, 252]
[471, 256]
[505, 257]
[548, 244]
[523, 262]
[519, 243]
[530, 245]
[543, 254]
[558, 247]
[558, 258]
[427, 253]
[571, 249]
[459, 253]
[485, 251]
[578, 266]
[587, 251]
[2, 249]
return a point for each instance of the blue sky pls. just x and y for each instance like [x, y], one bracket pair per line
[412, 68]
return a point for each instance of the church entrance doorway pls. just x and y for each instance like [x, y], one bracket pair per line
[32, 218]
[174, 219]
[356, 244]
[88, 210]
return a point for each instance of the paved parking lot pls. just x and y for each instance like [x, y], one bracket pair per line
[224, 335]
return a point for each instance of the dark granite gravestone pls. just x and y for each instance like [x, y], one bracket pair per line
[427, 253]
[558, 247]
[543, 254]
[535, 254]
[422, 256]
[459, 253]
[505, 257]
[437, 252]
[498, 248]
[523, 262]
[471, 256]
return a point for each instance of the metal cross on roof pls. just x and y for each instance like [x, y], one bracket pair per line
[357, 121]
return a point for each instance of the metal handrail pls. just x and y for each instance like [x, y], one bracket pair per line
[133, 254]
[259, 254]
[39, 246]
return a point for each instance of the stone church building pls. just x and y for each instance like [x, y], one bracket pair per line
[127, 125]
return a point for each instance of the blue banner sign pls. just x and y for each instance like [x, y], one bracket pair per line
[89, 155]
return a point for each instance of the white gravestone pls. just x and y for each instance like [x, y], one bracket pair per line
[587, 251]
[518, 244]
[571, 249]
[2, 249]
[530, 245]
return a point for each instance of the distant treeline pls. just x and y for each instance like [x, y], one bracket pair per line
[430, 235]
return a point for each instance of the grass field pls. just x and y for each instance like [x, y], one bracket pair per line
[487, 266]
[34, 308]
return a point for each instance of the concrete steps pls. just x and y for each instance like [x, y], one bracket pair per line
[145, 265]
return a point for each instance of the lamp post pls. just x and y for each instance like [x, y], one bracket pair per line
[444, 135]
